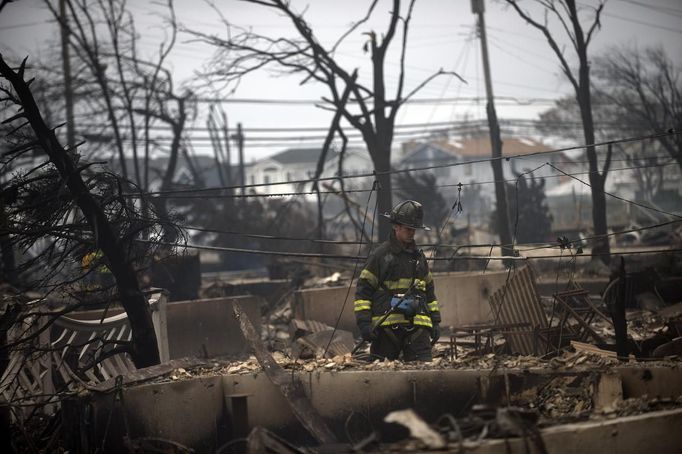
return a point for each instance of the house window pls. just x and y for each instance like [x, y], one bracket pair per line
[253, 179]
[289, 176]
[266, 179]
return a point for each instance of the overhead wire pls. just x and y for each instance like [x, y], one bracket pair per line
[172, 194]
[632, 202]
[355, 267]
[416, 169]
[360, 257]
[534, 247]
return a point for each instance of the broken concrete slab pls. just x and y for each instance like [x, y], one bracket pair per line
[208, 328]
[300, 328]
[324, 344]
[463, 298]
[650, 432]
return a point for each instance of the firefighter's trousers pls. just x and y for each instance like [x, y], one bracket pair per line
[414, 343]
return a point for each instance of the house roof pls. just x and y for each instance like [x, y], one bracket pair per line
[475, 147]
[480, 146]
[431, 152]
[298, 156]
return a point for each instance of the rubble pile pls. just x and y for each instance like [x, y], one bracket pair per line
[561, 397]
[636, 406]
[569, 361]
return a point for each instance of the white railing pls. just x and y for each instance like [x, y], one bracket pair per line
[68, 353]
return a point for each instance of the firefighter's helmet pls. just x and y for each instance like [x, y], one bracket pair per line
[408, 213]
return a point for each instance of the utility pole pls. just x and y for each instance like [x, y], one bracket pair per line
[478, 8]
[239, 137]
[228, 157]
[66, 65]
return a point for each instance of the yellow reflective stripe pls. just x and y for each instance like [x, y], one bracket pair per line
[400, 284]
[362, 305]
[433, 306]
[395, 319]
[369, 277]
[404, 284]
[422, 320]
[392, 319]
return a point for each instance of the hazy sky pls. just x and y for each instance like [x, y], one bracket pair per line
[441, 35]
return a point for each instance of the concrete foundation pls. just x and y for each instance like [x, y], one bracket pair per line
[198, 412]
[200, 328]
[463, 298]
[207, 328]
[656, 432]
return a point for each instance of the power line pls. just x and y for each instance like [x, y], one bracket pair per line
[661, 9]
[648, 24]
[475, 123]
[641, 205]
[431, 245]
[359, 257]
[416, 169]
[313, 102]
[606, 235]
[165, 194]
[26, 24]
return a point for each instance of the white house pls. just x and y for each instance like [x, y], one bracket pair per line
[289, 167]
[284, 169]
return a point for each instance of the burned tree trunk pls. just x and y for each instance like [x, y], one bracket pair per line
[566, 12]
[143, 348]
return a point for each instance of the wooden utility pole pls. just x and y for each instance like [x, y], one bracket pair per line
[228, 157]
[478, 8]
[66, 65]
[239, 137]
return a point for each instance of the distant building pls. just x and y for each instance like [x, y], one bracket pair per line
[467, 161]
[300, 164]
[284, 168]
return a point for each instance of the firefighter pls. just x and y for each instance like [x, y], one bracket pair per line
[395, 304]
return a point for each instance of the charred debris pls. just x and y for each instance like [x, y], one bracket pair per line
[549, 355]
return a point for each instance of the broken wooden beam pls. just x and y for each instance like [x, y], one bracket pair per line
[593, 349]
[288, 384]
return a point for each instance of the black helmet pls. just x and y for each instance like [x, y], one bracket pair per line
[408, 213]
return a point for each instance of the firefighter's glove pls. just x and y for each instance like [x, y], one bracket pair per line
[366, 332]
[435, 333]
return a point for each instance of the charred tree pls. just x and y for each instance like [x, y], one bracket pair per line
[143, 347]
[566, 12]
[374, 111]
[646, 88]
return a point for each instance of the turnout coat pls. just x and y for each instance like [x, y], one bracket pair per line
[390, 271]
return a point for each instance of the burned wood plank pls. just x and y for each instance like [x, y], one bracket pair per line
[148, 373]
[517, 304]
[593, 349]
[291, 388]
